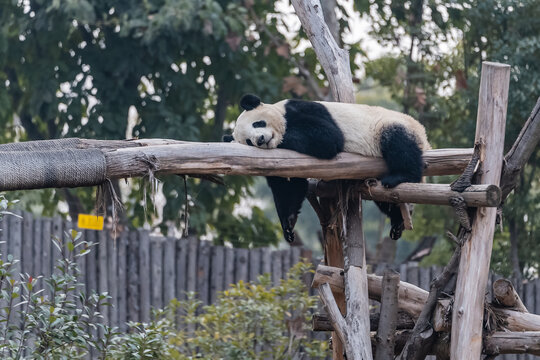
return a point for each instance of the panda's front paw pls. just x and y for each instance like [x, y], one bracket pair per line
[391, 181]
[396, 231]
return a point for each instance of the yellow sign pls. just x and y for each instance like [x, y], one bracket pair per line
[92, 222]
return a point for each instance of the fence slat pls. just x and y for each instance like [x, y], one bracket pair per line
[266, 260]
[218, 267]
[169, 274]
[156, 266]
[276, 267]
[91, 262]
[203, 272]
[425, 278]
[15, 240]
[46, 246]
[57, 233]
[123, 284]
[181, 268]
[112, 255]
[27, 258]
[241, 265]
[295, 255]
[133, 298]
[285, 262]
[254, 264]
[144, 275]
[4, 237]
[228, 276]
[192, 264]
[103, 273]
[37, 241]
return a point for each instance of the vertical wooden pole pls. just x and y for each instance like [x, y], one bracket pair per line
[356, 286]
[476, 253]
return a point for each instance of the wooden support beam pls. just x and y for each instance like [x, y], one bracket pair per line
[411, 299]
[385, 337]
[358, 346]
[434, 194]
[320, 322]
[526, 342]
[505, 294]
[466, 343]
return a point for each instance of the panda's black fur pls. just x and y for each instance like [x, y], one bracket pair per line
[311, 130]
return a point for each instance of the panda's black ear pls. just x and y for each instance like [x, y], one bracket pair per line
[249, 102]
[228, 138]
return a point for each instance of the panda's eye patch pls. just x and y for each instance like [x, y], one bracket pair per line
[248, 141]
[259, 124]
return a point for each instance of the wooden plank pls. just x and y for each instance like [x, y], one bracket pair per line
[15, 241]
[46, 267]
[528, 299]
[254, 264]
[203, 273]
[424, 277]
[276, 267]
[295, 255]
[285, 262]
[192, 264]
[103, 275]
[112, 257]
[156, 268]
[133, 293]
[123, 284]
[466, 343]
[144, 275]
[241, 265]
[413, 275]
[27, 256]
[169, 273]
[228, 277]
[403, 272]
[58, 238]
[37, 241]
[181, 268]
[217, 273]
[91, 263]
[266, 260]
[4, 237]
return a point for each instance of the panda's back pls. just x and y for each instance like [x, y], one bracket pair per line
[362, 126]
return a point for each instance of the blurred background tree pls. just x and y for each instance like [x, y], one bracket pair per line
[176, 68]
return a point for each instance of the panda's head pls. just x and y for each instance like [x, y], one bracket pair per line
[261, 125]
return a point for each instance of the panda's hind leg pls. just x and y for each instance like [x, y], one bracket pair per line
[402, 155]
[403, 159]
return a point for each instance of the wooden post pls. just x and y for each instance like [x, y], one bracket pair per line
[476, 253]
[356, 285]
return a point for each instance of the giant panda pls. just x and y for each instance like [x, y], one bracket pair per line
[324, 129]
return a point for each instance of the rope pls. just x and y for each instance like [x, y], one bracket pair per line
[33, 168]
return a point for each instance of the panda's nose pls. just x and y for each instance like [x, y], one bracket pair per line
[260, 140]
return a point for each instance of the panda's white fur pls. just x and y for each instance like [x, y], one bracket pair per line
[361, 126]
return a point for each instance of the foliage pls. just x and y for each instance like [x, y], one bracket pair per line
[78, 68]
[60, 321]
[440, 87]
[252, 321]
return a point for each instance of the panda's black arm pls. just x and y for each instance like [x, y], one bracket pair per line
[288, 197]
[311, 130]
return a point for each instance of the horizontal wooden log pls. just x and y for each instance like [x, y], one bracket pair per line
[419, 193]
[502, 342]
[320, 322]
[435, 194]
[238, 159]
[506, 295]
[411, 299]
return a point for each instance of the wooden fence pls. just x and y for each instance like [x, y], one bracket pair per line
[141, 272]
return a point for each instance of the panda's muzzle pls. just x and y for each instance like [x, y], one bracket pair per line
[260, 140]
